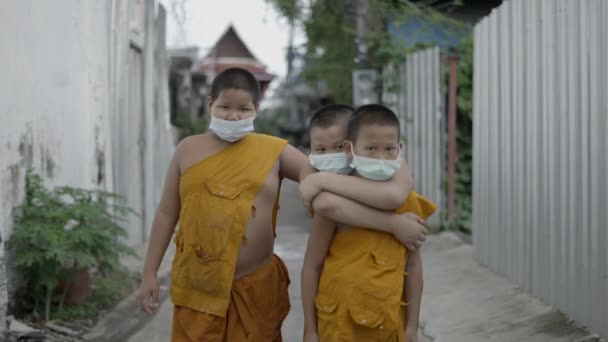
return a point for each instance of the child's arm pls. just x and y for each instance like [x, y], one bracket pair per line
[294, 164]
[387, 195]
[321, 234]
[163, 227]
[408, 228]
[382, 195]
[413, 294]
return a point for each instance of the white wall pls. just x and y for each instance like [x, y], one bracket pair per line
[63, 96]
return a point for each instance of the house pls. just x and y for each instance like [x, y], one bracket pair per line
[191, 77]
[230, 51]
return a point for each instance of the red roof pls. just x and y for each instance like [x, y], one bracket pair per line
[259, 72]
[230, 51]
[230, 45]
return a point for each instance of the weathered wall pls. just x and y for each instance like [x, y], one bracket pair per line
[66, 103]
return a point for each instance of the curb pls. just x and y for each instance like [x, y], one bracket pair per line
[126, 318]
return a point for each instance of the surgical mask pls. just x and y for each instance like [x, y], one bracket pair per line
[231, 131]
[375, 169]
[331, 162]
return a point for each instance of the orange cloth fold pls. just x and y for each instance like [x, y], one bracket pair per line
[259, 302]
[361, 285]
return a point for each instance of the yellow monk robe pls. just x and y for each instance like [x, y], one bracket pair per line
[216, 200]
[361, 286]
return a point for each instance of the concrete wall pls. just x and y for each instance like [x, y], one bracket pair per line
[540, 195]
[64, 102]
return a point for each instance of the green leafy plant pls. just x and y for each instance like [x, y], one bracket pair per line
[268, 122]
[62, 231]
[330, 27]
[191, 126]
[464, 137]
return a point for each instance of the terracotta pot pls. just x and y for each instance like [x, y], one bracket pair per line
[79, 289]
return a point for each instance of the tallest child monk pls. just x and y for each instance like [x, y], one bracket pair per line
[223, 187]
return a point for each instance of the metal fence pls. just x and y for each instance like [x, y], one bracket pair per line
[414, 90]
[540, 202]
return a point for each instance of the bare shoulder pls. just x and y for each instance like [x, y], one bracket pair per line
[193, 140]
[192, 149]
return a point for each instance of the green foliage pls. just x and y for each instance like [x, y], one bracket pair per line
[331, 49]
[464, 137]
[189, 126]
[61, 231]
[330, 28]
[290, 9]
[268, 123]
[80, 311]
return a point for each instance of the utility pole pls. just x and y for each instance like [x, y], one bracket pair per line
[293, 108]
[362, 7]
[364, 77]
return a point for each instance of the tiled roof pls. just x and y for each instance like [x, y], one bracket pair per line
[230, 45]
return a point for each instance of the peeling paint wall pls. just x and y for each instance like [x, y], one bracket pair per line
[64, 97]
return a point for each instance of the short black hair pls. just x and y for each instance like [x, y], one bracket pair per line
[330, 115]
[371, 114]
[236, 78]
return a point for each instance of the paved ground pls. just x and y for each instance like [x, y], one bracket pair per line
[462, 300]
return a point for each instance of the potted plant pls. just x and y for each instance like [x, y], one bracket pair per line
[60, 235]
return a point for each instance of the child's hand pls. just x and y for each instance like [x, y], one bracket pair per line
[148, 293]
[311, 337]
[411, 334]
[409, 229]
[309, 188]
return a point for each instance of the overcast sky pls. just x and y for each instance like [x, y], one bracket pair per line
[262, 30]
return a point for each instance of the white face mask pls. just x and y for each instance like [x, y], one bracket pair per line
[231, 131]
[331, 162]
[376, 169]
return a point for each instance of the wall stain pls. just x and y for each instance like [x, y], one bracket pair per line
[101, 161]
[50, 166]
[26, 148]
[14, 172]
[100, 156]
